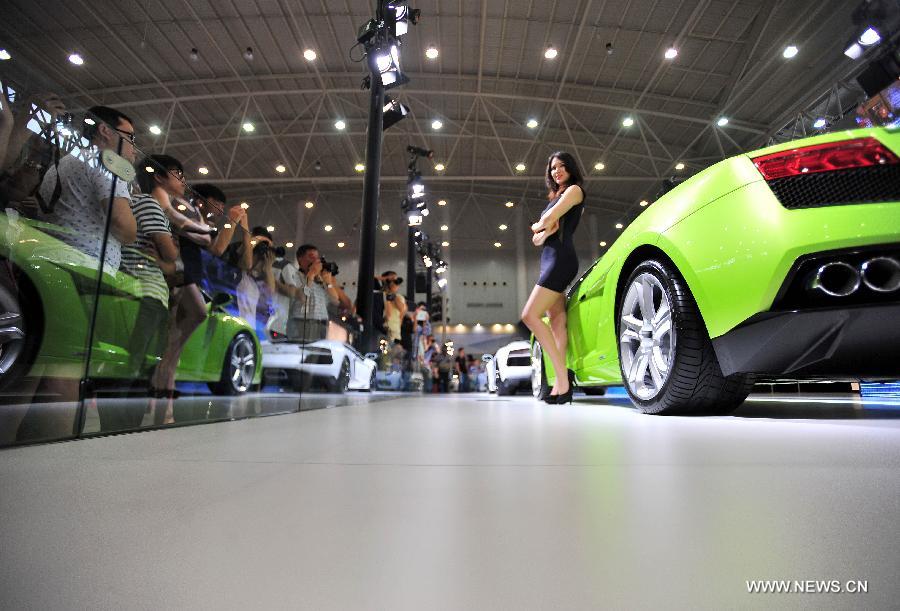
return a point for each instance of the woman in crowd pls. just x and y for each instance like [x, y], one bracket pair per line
[559, 265]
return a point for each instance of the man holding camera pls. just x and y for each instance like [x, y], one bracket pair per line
[311, 288]
[394, 305]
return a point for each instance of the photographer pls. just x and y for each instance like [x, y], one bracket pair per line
[394, 305]
[311, 288]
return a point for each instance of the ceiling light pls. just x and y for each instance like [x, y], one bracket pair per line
[203, 170]
[790, 51]
[671, 53]
[442, 202]
[76, 59]
[341, 244]
[722, 122]
[854, 51]
[288, 244]
[445, 228]
[194, 55]
[436, 124]
[248, 54]
[503, 227]
[280, 169]
[869, 37]
[270, 228]
[619, 225]
[340, 125]
[393, 245]
[532, 123]
[245, 205]
[520, 167]
[149, 169]
[385, 227]
[249, 127]
[820, 123]
[602, 243]
[309, 204]
[432, 53]
[627, 122]
[328, 228]
[609, 48]
[182, 207]
[510, 204]
[445, 244]
[551, 53]
[4, 55]
[440, 167]
[643, 203]
[227, 225]
[497, 244]
[309, 55]
[359, 167]
[155, 130]
[599, 166]
[679, 166]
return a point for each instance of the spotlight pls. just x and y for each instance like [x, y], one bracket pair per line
[436, 124]
[869, 37]
[4, 55]
[328, 228]
[402, 15]
[386, 62]
[270, 228]
[415, 150]
[820, 123]
[602, 243]
[194, 55]
[627, 122]
[155, 130]
[722, 122]
[439, 167]
[854, 51]
[248, 54]
[609, 48]
[309, 55]
[393, 111]
[445, 244]
[790, 51]
[245, 205]
[76, 59]
[599, 166]
[509, 204]
[442, 202]
[679, 166]
[432, 53]
[532, 123]
[317, 166]
[520, 167]
[340, 125]
[249, 127]
[359, 167]
[203, 170]
[289, 245]
[280, 169]
[671, 53]
[551, 53]
[340, 244]
[619, 225]
[309, 205]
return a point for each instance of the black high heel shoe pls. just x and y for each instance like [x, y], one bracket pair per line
[551, 399]
[564, 398]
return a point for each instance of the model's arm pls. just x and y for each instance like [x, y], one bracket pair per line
[571, 197]
[235, 215]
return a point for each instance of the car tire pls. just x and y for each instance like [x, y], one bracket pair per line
[21, 326]
[539, 386]
[666, 358]
[373, 381]
[342, 382]
[238, 368]
[504, 389]
[594, 391]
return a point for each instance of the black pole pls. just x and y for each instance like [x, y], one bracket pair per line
[411, 267]
[366, 278]
[428, 283]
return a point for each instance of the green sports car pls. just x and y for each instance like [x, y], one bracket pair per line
[47, 290]
[780, 263]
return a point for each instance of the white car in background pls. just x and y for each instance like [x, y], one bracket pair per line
[509, 369]
[336, 364]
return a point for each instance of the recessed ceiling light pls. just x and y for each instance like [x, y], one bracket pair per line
[393, 245]
[643, 203]
[280, 169]
[627, 122]
[532, 123]
[679, 166]
[245, 205]
[497, 244]
[503, 227]
[339, 124]
[359, 167]
[790, 51]
[270, 228]
[510, 204]
[203, 170]
[385, 227]
[309, 204]
[155, 130]
[249, 127]
[432, 53]
[440, 167]
[443, 202]
[194, 55]
[671, 53]
[520, 167]
[599, 166]
[182, 207]
[227, 225]
[4, 55]
[820, 123]
[722, 122]
[76, 59]
[328, 228]
[149, 169]
[341, 244]
[602, 243]
[445, 228]
[619, 225]
[289, 244]
[551, 53]
[309, 55]
[436, 124]
[445, 244]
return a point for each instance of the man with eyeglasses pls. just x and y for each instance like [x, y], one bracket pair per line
[78, 190]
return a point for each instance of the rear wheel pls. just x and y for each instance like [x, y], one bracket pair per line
[21, 326]
[667, 360]
[539, 386]
[505, 389]
[342, 382]
[239, 367]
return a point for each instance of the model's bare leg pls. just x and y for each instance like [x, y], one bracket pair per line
[539, 302]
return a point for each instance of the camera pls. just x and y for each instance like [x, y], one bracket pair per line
[329, 266]
[390, 297]
[262, 249]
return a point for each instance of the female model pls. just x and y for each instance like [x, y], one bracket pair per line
[559, 264]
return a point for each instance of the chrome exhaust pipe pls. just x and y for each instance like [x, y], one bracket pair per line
[881, 274]
[835, 279]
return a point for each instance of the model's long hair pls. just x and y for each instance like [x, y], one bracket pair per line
[575, 175]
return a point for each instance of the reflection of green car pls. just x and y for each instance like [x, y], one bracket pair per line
[46, 294]
[783, 262]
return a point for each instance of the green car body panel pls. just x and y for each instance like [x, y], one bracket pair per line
[731, 240]
[64, 279]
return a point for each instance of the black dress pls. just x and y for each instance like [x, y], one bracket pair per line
[191, 252]
[559, 263]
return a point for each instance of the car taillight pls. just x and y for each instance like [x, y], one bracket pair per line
[860, 153]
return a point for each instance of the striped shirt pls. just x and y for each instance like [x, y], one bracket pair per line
[138, 258]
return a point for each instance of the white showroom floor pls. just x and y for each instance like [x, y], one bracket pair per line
[461, 502]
